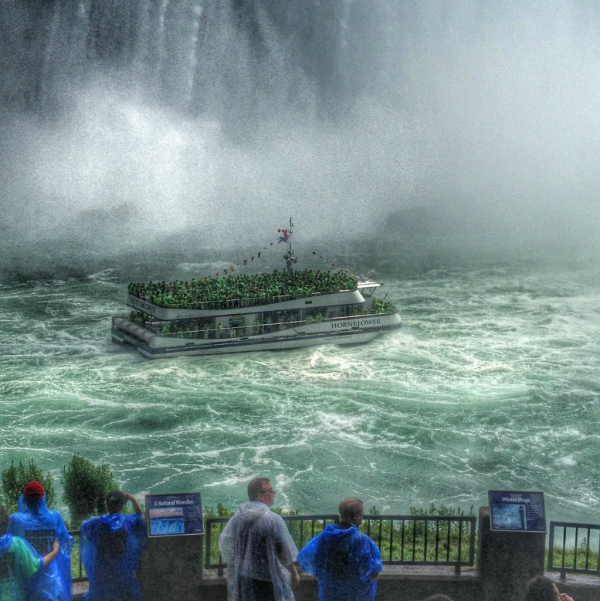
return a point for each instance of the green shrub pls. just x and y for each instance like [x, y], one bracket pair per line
[85, 488]
[14, 480]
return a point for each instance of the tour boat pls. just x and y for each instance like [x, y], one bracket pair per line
[262, 312]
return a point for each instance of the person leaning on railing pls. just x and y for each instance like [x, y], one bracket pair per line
[40, 526]
[346, 561]
[257, 546]
[22, 562]
[541, 588]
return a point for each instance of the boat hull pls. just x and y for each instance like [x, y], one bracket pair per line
[352, 330]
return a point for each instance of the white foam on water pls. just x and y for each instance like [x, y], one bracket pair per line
[567, 460]
[229, 481]
[332, 376]
[150, 372]
[103, 275]
[120, 405]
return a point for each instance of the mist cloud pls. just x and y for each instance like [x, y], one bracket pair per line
[484, 115]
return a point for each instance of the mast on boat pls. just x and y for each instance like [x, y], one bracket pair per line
[289, 257]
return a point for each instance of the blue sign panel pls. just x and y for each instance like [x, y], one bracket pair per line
[517, 511]
[177, 514]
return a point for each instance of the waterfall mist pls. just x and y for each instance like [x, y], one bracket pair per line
[424, 124]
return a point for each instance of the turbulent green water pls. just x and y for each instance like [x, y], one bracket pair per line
[493, 383]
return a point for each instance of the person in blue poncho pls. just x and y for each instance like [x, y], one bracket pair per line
[345, 561]
[19, 561]
[40, 526]
[111, 547]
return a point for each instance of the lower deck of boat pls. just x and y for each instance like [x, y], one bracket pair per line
[348, 331]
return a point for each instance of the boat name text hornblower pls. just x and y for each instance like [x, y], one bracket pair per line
[140, 304]
[362, 322]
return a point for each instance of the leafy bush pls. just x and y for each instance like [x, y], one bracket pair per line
[14, 480]
[85, 488]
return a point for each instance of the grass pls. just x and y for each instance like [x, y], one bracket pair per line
[575, 558]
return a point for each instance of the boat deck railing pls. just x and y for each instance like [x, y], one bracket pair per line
[255, 329]
[239, 303]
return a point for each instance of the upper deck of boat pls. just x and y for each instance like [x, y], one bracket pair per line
[277, 291]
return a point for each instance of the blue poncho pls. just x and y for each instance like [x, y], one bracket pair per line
[344, 560]
[18, 563]
[110, 549]
[54, 582]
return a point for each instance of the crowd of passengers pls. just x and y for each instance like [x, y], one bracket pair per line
[241, 290]
[272, 322]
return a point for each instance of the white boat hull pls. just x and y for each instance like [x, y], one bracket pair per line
[348, 330]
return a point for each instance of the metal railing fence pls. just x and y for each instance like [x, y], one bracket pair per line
[76, 566]
[574, 548]
[239, 303]
[41, 540]
[402, 539]
[251, 329]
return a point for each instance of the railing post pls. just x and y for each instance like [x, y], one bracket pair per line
[551, 546]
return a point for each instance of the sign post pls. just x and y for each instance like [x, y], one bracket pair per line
[512, 536]
[171, 566]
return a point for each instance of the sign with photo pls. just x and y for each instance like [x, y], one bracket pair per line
[517, 511]
[178, 514]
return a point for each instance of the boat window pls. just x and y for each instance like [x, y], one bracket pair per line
[367, 292]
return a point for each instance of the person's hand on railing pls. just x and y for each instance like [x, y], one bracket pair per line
[565, 597]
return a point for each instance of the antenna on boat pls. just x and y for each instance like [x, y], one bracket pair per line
[289, 255]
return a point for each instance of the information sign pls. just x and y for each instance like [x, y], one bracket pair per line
[517, 511]
[177, 514]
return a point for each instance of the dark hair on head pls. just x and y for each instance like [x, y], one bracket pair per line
[4, 517]
[255, 487]
[349, 506]
[115, 500]
[541, 588]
